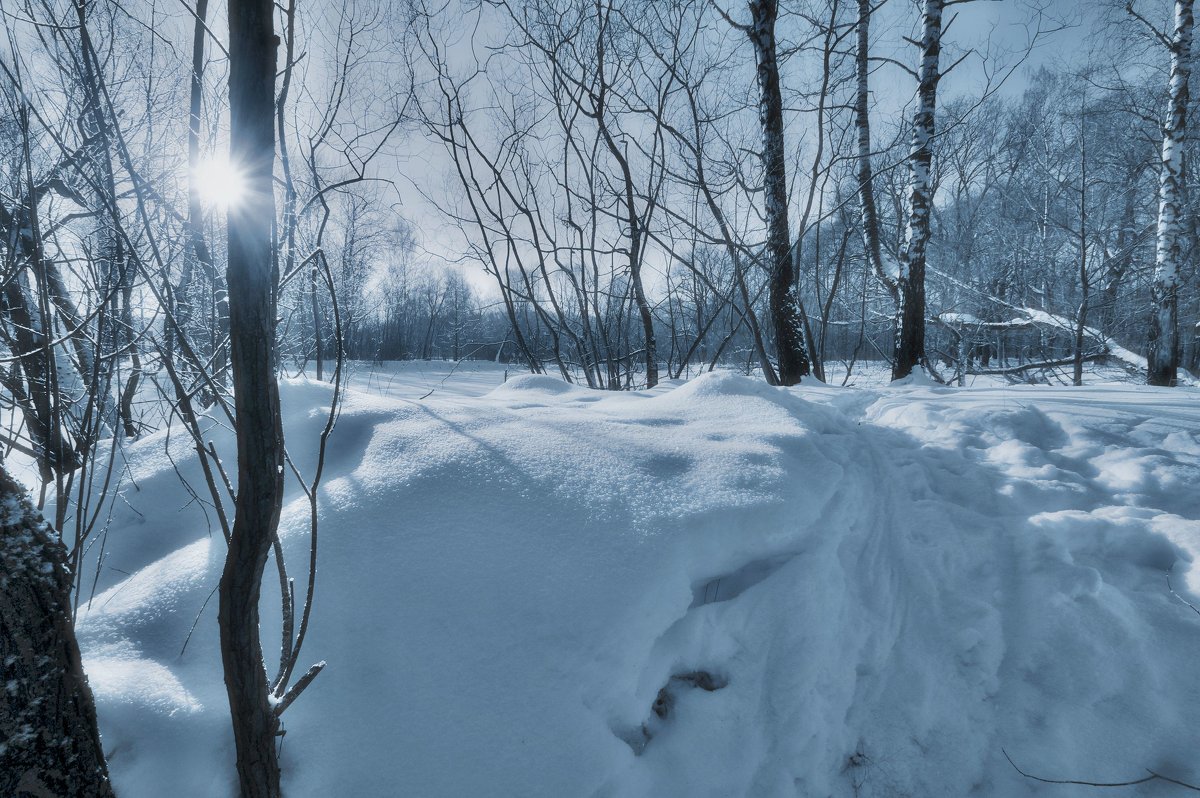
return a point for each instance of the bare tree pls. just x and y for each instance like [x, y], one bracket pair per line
[252, 278]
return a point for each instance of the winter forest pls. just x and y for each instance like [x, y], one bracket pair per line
[599, 398]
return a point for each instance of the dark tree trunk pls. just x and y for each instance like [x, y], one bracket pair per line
[252, 278]
[1085, 288]
[199, 253]
[636, 232]
[1119, 265]
[910, 321]
[319, 351]
[872, 243]
[786, 312]
[37, 395]
[51, 744]
[1194, 365]
[117, 282]
[645, 314]
[34, 377]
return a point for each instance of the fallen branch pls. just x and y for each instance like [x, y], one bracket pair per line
[1152, 777]
[1181, 598]
[1042, 364]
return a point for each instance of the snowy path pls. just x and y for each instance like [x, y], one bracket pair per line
[716, 588]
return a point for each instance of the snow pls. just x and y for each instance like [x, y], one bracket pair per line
[1132, 359]
[1133, 362]
[958, 318]
[891, 265]
[823, 591]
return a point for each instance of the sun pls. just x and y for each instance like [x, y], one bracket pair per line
[219, 182]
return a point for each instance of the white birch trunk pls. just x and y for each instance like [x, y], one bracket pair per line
[910, 321]
[1163, 355]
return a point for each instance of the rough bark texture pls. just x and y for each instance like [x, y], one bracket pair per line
[49, 742]
[1163, 354]
[868, 209]
[1085, 287]
[786, 313]
[252, 277]
[910, 316]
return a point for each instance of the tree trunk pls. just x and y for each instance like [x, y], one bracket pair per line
[872, 244]
[116, 328]
[1084, 283]
[1163, 355]
[252, 277]
[319, 351]
[33, 386]
[645, 315]
[1120, 264]
[51, 744]
[785, 307]
[199, 252]
[910, 321]
[1194, 366]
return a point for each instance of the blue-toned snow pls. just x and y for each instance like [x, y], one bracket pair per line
[893, 586]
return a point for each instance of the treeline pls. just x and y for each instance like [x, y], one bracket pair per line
[612, 166]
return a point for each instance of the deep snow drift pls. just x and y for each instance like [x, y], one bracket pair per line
[715, 588]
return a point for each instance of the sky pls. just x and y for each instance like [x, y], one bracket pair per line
[998, 33]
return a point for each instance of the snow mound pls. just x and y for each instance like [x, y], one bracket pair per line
[537, 383]
[720, 588]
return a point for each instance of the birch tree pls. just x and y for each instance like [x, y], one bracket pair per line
[903, 277]
[786, 313]
[1163, 352]
[910, 311]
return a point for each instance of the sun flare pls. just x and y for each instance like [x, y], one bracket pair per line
[219, 182]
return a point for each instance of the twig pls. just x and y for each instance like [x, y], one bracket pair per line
[1152, 777]
[1181, 598]
[298, 688]
[195, 622]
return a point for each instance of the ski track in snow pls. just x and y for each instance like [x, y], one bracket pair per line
[713, 588]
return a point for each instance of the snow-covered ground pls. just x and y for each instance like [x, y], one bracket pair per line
[713, 588]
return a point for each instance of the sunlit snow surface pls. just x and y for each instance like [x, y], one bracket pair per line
[891, 584]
